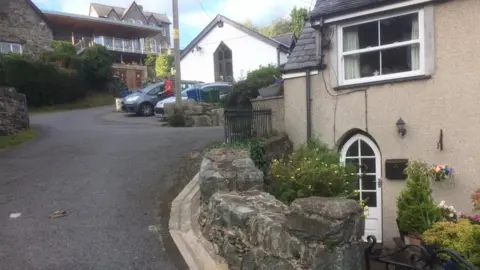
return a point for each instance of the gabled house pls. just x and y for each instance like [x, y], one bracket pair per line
[226, 50]
[135, 14]
[23, 28]
[385, 82]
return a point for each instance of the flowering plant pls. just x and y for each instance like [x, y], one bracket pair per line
[448, 211]
[442, 172]
[474, 218]
[476, 200]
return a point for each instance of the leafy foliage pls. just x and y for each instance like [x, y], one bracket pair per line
[150, 61]
[256, 79]
[312, 170]
[416, 209]
[163, 65]
[64, 47]
[462, 237]
[97, 62]
[298, 17]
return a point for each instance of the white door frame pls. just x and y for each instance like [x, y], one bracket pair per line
[373, 222]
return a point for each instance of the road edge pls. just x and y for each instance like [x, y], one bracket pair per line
[197, 252]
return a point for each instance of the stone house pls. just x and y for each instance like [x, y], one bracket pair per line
[23, 28]
[227, 50]
[385, 82]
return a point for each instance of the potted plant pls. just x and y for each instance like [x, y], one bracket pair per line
[416, 209]
[442, 172]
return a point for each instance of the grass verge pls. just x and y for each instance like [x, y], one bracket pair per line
[17, 139]
[90, 101]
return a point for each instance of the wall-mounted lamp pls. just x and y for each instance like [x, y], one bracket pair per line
[220, 24]
[198, 48]
[401, 127]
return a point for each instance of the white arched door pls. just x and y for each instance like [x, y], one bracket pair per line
[363, 153]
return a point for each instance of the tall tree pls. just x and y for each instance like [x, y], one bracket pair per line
[298, 17]
[279, 27]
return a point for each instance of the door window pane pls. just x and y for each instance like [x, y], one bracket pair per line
[369, 182]
[353, 150]
[366, 149]
[370, 197]
[368, 165]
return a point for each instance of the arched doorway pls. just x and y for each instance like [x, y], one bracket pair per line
[222, 60]
[363, 153]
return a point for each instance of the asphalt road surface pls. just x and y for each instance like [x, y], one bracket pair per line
[110, 173]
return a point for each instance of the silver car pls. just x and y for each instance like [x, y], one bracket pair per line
[143, 101]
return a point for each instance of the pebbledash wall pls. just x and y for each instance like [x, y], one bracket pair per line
[447, 101]
[13, 111]
[22, 23]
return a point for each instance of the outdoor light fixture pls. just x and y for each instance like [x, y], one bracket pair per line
[220, 24]
[198, 48]
[401, 127]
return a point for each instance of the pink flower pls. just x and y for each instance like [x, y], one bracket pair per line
[476, 217]
[461, 213]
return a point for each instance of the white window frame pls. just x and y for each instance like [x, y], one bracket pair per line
[11, 47]
[421, 41]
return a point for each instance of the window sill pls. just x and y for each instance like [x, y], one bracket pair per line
[397, 80]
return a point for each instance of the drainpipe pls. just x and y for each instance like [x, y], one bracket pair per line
[278, 56]
[309, 104]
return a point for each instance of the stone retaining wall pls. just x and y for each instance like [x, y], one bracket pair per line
[13, 111]
[253, 230]
[196, 114]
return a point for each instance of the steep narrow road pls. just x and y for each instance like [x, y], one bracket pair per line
[109, 176]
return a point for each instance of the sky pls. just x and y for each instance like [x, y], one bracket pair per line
[194, 15]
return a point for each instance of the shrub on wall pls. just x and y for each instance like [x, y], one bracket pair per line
[312, 170]
[256, 79]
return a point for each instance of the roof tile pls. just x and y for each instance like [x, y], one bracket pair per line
[304, 54]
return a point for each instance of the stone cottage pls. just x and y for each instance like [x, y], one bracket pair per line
[23, 28]
[385, 82]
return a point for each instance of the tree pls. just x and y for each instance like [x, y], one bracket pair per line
[163, 65]
[150, 60]
[97, 66]
[64, 47]
[298, 17]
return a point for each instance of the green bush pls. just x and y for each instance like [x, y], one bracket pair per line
[43, 83]
[312, 170]
[256, 79]
[97, 67]
[416, 209]
[64, 47]
[462, 237]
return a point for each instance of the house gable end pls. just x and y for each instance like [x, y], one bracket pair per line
[113, 13]
[222, 19]
[134, 12]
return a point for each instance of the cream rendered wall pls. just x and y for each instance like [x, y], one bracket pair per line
[248, 53]
[449, 100]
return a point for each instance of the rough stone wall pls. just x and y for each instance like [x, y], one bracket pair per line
[278, 110]
[13, 111]
[20, 23]
[254, 231]
[196, 114]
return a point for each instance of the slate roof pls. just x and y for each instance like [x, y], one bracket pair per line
[285, 39]
[304, 55]
[104, 10]
[337, 7]
[219, 18]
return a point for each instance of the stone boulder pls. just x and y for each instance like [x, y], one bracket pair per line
[225, 169]
[196, 114]
[13, 111]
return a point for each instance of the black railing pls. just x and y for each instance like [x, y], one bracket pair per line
[416, 258]
[245, 124]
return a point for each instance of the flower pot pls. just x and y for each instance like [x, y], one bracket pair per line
[270, 91]
[413, 239]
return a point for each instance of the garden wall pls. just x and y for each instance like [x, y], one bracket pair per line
[278, 111]
[253, 230]
[13, 111]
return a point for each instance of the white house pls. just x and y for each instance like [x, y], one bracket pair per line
[226, 50]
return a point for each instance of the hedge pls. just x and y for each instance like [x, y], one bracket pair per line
[57, 77]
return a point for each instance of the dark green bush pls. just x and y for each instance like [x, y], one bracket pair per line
[64, 47]
[97, 66]
[256, 79]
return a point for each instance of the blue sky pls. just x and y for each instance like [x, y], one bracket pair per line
[193, 18]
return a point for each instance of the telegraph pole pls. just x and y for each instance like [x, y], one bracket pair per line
[176, 46]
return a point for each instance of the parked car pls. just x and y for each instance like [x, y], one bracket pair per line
[223, 88]
[143, 101]
[188, 84]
